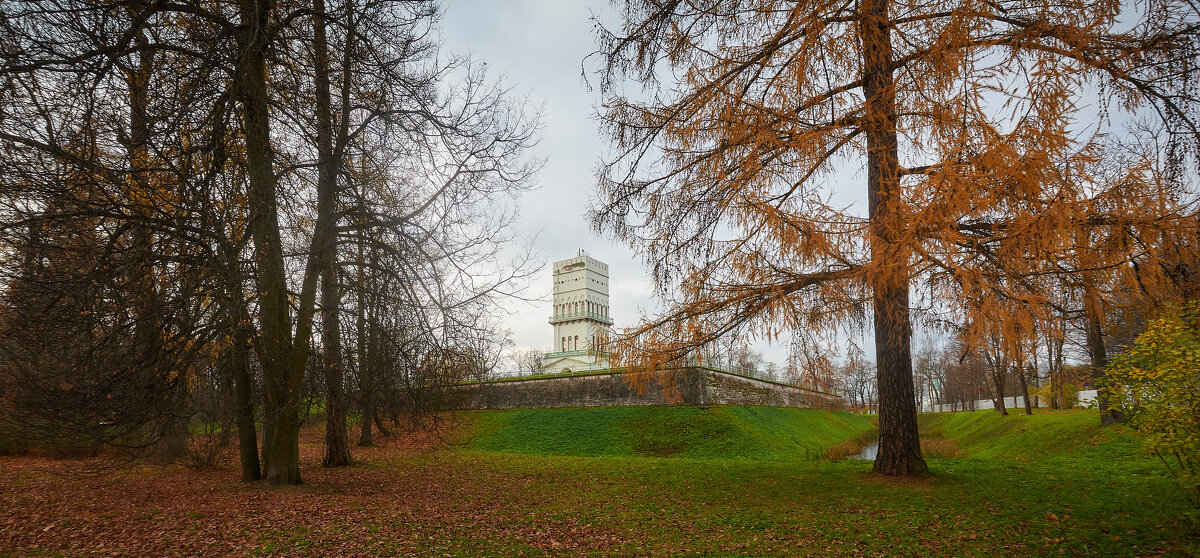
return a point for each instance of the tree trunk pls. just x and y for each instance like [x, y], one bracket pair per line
[366, 376]
[999, 367]
[1025, 391]
[899, 444]
[281, 386]
[240, 330]
[998, 383]
[1054, 353]
[244, 401]
[244, 395]
[1095, 345]
[337, 444]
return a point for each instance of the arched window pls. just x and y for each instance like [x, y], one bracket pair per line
[564, 344]
[576, 342]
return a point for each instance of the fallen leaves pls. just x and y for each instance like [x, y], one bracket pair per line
[404, 499]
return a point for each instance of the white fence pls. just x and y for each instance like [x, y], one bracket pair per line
[1086, 397]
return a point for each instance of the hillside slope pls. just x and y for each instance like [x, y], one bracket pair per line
[1066, 434]
[759, 433]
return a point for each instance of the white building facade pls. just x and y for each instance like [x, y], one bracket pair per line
[581, 320]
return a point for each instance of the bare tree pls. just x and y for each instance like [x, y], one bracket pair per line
[527, 362]
[247, 190]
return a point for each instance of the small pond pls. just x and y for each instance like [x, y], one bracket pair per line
[868, 452]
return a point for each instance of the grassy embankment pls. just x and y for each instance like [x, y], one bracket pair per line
[757, 433]
[739, 482]
[1050, 483]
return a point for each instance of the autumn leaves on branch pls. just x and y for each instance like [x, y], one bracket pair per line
[1012, 152]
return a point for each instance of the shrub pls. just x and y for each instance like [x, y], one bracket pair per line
[1156, 384]
[1070, 395]
[12, 442]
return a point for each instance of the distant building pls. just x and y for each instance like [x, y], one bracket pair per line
[581, 321]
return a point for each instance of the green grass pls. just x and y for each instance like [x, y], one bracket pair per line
[1047, 434]
[739, 483]
[742, 482]
[972, 507]
[758, 433]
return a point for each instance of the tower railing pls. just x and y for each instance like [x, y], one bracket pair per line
[581, 316]
[578, 352]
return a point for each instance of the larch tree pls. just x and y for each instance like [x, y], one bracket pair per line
[966, 118]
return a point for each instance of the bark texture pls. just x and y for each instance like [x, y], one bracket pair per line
[900, 447]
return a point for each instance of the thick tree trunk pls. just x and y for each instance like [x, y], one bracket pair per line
[281, 377]
[337, 444]
[366, 435]
[899, 444]
[899, 441]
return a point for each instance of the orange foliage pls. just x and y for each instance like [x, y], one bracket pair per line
[1011, 186]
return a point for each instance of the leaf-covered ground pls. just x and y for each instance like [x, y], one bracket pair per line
[406, 498]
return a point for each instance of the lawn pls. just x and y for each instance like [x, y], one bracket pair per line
[756, 433]
[1051, 484]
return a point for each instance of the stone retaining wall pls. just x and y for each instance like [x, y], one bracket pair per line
[686, 386]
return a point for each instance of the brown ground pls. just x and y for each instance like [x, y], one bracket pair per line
[401, 498]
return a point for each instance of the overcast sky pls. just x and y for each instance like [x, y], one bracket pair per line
[538, 46]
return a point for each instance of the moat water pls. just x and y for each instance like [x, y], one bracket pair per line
[868, 452]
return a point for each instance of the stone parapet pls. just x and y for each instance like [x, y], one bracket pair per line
[608, 388]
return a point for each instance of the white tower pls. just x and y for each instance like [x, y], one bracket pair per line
[581, 320]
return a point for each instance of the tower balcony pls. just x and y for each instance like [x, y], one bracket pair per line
[579, 352]
[581, 316]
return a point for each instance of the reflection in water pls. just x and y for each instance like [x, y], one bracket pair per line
[868, 453]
